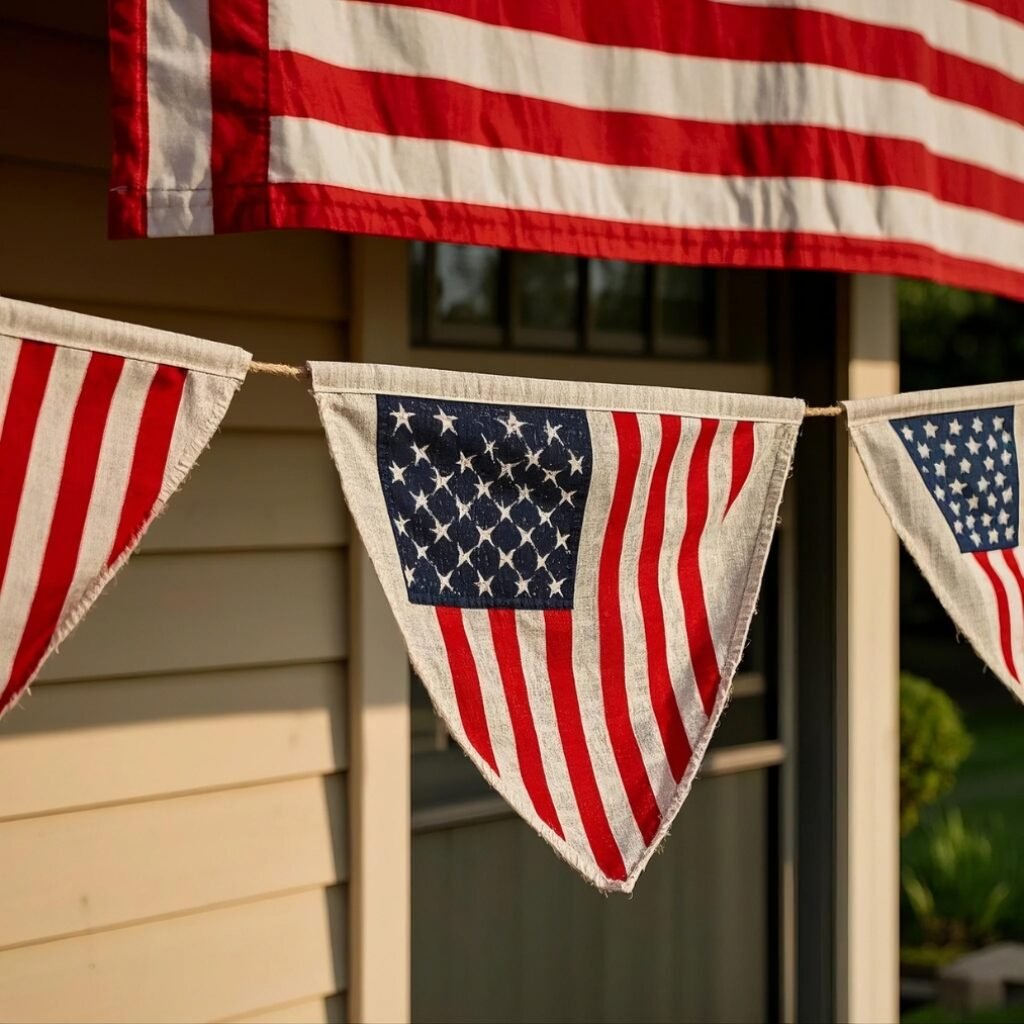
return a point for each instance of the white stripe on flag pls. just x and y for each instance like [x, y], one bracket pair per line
[965, 29]
[303, 150]
[9, 350]
[180, 112]
[407, 41]
[997, 559]
[38, 499]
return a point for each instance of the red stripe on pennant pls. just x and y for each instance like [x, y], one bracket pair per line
[558, 634]
[427, 108]
[1002, 610]
[156, 428]
[1010, 557]
[742, 460]
[466, 682]
[510, 666]
[691, 585]
[69, 516]
[610, 633]
[28, 387]
[663, 698]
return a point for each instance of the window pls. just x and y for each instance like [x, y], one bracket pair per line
[465, 295]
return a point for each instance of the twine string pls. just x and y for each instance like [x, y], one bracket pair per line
[300, 373]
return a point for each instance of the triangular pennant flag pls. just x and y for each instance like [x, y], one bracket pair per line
[574, 568]
[99, 424]
[944, 465]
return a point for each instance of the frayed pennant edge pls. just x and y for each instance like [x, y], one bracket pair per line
[785, 448]
[186, 463]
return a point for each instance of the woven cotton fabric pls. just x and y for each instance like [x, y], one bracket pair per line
[100, 422]
[574, 568]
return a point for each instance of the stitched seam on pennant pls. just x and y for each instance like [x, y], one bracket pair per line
[915, 552]
[751, 589]
[95, 589]
[923, 403]
[587, 407]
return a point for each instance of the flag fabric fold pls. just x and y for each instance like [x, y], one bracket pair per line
[845, 135]
[574, 568]
[945, 467]
[100, 422]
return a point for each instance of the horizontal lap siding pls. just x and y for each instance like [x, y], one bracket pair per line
[173, 815]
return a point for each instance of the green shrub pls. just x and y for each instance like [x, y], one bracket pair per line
[961, 886]
[933, 745]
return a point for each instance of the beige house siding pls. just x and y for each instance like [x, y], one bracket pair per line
[173, 793]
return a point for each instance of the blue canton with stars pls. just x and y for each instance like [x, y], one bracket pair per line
[968, 462]
[485, 501]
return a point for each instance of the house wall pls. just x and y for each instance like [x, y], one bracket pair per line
[173, 791]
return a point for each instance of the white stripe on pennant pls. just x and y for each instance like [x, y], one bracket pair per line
[586, 648]
[304, 150]
[684, 681]
[638, 687]
[532, 643]
[10, 348]
[112, 472]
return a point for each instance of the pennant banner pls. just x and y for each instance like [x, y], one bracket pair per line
[574, 568]
[945, 467]
[99, 424]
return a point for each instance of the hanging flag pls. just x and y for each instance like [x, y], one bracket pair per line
[828, 134]
[574, 568]
[944, 465]
[99, 424]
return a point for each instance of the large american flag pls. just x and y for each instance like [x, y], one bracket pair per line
[853, 135]
[574, 584]
[967, 461]
[99, 423]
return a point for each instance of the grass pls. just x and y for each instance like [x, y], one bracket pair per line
[937, 1015]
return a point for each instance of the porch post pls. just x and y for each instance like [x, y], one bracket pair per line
[379, 887]
[867, 807]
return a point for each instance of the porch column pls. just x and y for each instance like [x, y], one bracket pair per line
[867, 754]
[379, 886]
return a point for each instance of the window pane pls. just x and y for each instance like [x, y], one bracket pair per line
[466, 285]
[418, 292]
[617, 295]
[548, 292]
[685, 311]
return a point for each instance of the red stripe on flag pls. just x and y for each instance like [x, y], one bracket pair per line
[28, 387]
[1002, 609]
[742, 459]
[156, 428]
[429, 108]
[466, 682]
[306, 205]
[69, 516]
[663, 697]
[531, 765]
[691, 586]
[771, 35]
[558, 633]
[129, 75]
[610, 634]
[240, 135]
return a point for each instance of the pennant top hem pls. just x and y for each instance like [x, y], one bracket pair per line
[30, 321]
[862, 411]
[418, 382]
